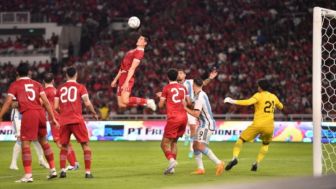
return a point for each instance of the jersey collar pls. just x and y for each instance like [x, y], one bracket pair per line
[141, 49]
[23, 78]
[172, 82]
[71, 80]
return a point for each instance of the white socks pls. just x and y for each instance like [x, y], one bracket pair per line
[16, 153]
[199, 161]
[39, 150]
[208, 152]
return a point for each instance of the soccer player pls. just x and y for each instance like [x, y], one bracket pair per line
[125, 77]
[16, 120]
[173, 95]
[50, 91]
[202, 111]
[192, 121]
[68, 101]
[263, 123]
[28, 93]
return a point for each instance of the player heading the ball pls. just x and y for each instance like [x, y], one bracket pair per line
[125, 76]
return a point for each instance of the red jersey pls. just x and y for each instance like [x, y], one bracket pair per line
[70, 101]
[27, 92]
[174, 93]
[136, 53]
[51, 93]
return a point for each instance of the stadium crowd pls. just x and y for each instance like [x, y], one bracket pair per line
[244, 40]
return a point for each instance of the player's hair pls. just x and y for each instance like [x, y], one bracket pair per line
[48, 77]
[71, 71]
[198, 82]
[264, 84]
[180, 68]
[23, 69]
[172, 74]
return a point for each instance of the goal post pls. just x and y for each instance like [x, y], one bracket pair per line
[324, 91]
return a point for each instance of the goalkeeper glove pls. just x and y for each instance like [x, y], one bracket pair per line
[229, 100]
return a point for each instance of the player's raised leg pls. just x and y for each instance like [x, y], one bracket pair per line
[125, 101]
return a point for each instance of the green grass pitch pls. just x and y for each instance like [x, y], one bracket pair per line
[138, 165]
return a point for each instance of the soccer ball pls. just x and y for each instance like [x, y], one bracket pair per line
[133, 22]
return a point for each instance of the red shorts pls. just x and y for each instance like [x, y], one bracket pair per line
[33, 125]
[175, 127]
[78, 129]
[122, 79]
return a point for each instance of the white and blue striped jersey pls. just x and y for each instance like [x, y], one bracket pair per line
[206, 118]
[189, 85]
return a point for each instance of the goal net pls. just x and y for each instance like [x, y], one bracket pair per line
[324, 91]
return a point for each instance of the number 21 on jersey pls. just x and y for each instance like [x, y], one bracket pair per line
[68, 94]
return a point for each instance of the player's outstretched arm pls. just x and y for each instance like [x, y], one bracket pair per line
[246, 102]
[48, 108]
[89, 105]
[6, 106]
[212, 76]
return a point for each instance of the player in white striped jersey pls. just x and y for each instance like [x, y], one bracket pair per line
[202, 111]
[16, 119]
[192, 121]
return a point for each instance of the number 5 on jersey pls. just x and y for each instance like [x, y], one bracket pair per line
[68, 94]
[30, 90]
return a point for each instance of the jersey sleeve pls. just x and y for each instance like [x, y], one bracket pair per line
[12, 91]
[83, 91]
[199, 104]
[278, 104]
[57, 95]
[254, 99]
[139, 54]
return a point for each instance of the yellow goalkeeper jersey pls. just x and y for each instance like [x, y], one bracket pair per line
[264, 105]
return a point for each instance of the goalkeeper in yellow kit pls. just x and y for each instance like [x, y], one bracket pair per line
[263, 123]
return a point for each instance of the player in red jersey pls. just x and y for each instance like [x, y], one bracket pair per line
[173, 95]
[50, 91]
[28, 93]
[125, 77]
[68, 101]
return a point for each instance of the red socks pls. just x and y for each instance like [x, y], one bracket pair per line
[136, 101]
[63, 158]
[27, 160]
[71, 156]
[169, 155]
[87, 160]
[49, 155]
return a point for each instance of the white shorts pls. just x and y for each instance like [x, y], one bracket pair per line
[191, 120]
[203, 135]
